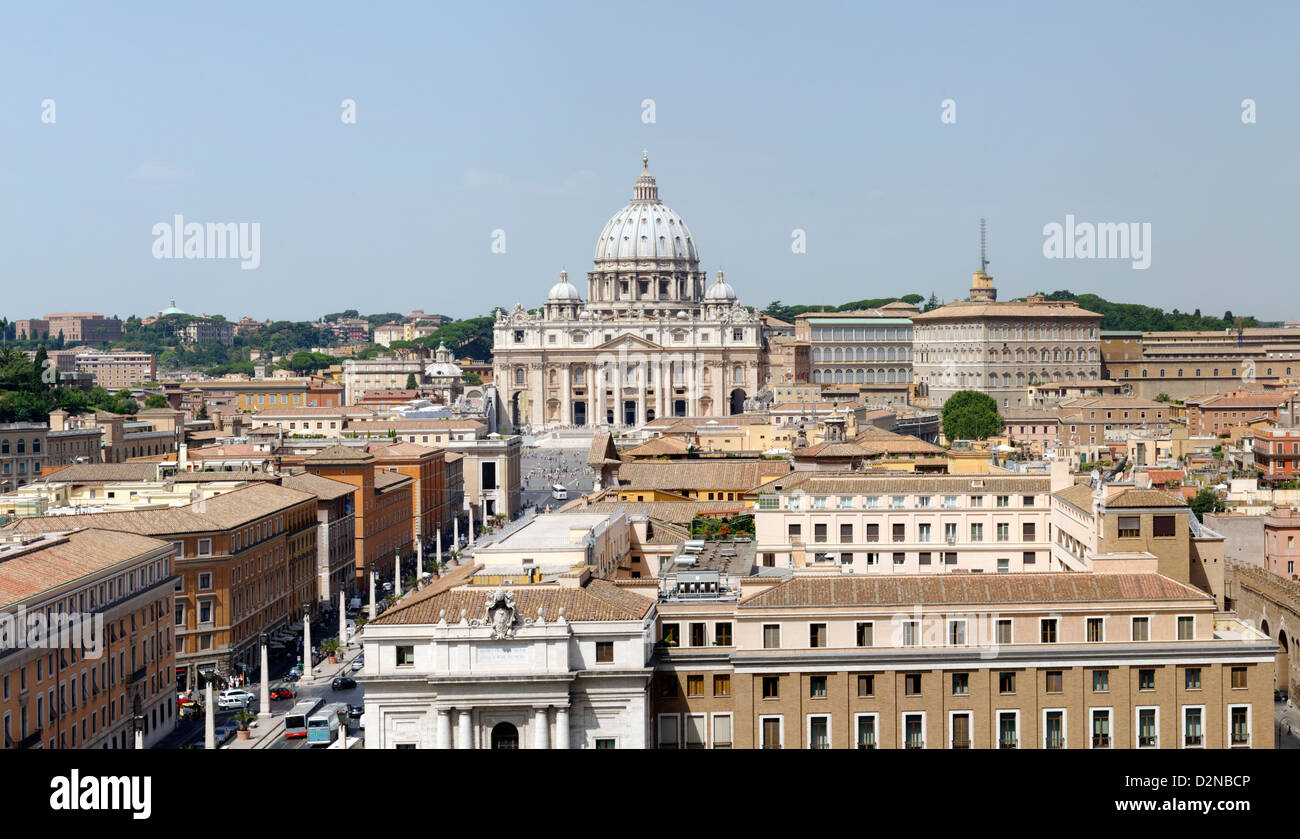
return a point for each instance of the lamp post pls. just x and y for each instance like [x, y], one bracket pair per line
[438, 558]
[306, 639]
[343, 624]
[209, 723]
[264, 705]
[373, 574]
[397, 574]
[137, 721]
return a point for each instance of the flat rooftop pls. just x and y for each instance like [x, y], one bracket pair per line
[547, 532]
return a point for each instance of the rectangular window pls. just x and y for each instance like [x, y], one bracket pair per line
[846, 533]
[668, 734]
[771, 732]
[866, 684]
[1004, 631]
[695, 685]
[1007, 682]
[205, 581]
[1096, 630]
[205, 547]
[671, 634]
[1047, 631]
[866, 634]
[1054, 730]
[1141, 629]
[668, 686]
[819, 533]
[899, 533]
[1238, 725]
[1054, 682]
[795, 532]
[1193, 734]
[1162, 527]
[912, 684]
[911, 633]
[1129, 527]
[604, 652]
[977, 532]
[405, 655]
[960, 684]
[1146, 679]
[771, 636]
[1148, 733]
[698, 632]
[722, 634]
[1028, 531]
[1101, 681]
[957, 633]
[1239, 678]
[1007, 730]
[1101, 728]
[1004, 500]
[914, 731]
[1192, 678]
[817, 687]
[873, 533]
[866, 738]
[817, 635]
[1186, 627]
[722, 684]
[771, 687]
[819, 732]
[722, 731]
[1004, 532]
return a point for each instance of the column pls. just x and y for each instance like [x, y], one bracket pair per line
[455, 532]
[419, 559]
[343, 629]
[438, 555]
[618, 392]
[371, 573]
[661, 383]
[562, 728]
[541, 729]
[465, 729]
[643, 369]
[397, 575]
[470, 510]
[264, 703]
[443, 729]
[306, 645]
[566, 397]
[209, 725]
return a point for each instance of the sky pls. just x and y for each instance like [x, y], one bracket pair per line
[768, 118]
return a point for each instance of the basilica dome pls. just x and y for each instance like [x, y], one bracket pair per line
[645, 228]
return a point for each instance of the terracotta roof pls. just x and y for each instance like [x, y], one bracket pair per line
[386, 479]
[1023, 309]
[339, 454]
[78, 555]
[878, 441]
[94, 473]
[831, 483]
[602, 452]
[323, 488]
[657, 447]
[1080, 495]
[597, 601]
[1144, 498]
[969, 589]
[723, 473]
[400, 450]
[319, 411]
[833, 449]
[417, 424]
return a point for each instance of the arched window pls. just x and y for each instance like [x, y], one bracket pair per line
[871, 377]
[817, 377]
[519, 376]
[737, 374]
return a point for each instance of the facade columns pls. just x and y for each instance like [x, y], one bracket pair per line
[644, 370]
[541, 729]
[465, 729]
[618, 393]
[561, 728]
[566, 401]
[443, 729]
[661, 382]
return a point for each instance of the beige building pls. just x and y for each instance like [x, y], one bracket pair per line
[650, 341]
[1002, 348]
[118, 369]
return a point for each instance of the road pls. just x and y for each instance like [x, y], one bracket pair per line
[543, 467]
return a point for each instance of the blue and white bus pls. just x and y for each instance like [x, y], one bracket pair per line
[326, 726]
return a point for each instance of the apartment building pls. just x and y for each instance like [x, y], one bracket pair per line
[1218, 413]
[1276, 452]
[108, 663]
[118, 369]
[201, 331]
[848, 522]
[431, 506]
[23, 454]
[336, 533]
[254, 396]
[1017, 661]
[1098, 420]
[382, 504]
[245, 562]
[1191, 364]
[370, 374]
[88, 327]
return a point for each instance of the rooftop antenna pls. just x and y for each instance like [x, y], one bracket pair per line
[984, 263]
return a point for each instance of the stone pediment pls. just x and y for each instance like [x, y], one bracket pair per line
[630, 342]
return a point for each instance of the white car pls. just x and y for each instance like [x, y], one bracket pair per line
[359, 663]
[235, 698]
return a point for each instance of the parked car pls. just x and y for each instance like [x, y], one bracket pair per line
[235, 698]
[343, 683]
[282, 692]
[355, 711]
[291, 676]
[359, 663]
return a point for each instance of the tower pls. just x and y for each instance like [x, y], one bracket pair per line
[981, 283]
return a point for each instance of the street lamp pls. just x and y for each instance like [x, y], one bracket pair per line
[137, 721]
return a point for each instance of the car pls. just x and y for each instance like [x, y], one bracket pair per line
[359, 663]
[343, 683]
[355, 711]
[235, 698]
[291, 676]
[282, 692]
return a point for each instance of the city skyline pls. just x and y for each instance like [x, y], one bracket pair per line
[542, 135]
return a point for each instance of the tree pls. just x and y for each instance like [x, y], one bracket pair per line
[1163, 397]
[203, 412]
[931, 304]
[1207, 501]
[156, 400]
[473, 379]
[410, 381]
[970, 415]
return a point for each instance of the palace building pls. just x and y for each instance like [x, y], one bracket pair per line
[649, 341]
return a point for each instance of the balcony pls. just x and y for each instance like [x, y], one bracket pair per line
[1147, 741]
[137, 676]
[868, 744]
[1101, 741]
[1007, 743]
[961, 744]
[31, 741]
[1238, 740]
[914, 744]
[1193, 740]
[1054, 742]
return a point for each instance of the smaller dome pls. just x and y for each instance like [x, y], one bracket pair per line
[564, 291]
[720, 290]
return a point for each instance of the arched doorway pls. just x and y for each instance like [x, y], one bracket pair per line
[737, 401]
[505, 736]
[1283, 669]
[516, 411]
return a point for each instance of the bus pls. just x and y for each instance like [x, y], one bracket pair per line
[324, 728]
[559, 491]
[295, 721]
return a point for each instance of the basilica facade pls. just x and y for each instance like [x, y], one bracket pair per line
[652, 339]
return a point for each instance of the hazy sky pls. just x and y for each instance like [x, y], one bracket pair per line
[527, 118]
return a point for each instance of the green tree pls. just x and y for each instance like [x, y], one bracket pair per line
[156, 400]
[410, 381]
[970, 415]
[1207, 501]
[1163, 397]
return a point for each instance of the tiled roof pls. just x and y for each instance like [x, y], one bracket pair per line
[833, 449]
[399, 450]
[79, 555]
[323, 488]
[418, 424]
[386, 479]
[675, 512]
[1050, 309]
[831, 483]
[602, 450]
[597, 601]
[339, 454]
[1080, 495]
[93, 473]
[1145, 498]
[969, 589]
[724, 473]
[657, 446]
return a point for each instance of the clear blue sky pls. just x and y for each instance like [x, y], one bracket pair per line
[770, 117]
